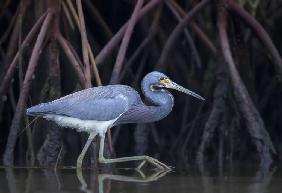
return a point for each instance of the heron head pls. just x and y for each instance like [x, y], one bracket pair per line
[161, 81]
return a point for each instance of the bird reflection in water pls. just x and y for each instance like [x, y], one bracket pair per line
[141, 178]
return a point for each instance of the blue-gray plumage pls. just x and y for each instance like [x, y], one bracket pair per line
[96, 109]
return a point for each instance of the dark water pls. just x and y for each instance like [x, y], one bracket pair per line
[17, 180]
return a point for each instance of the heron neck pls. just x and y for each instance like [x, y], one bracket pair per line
[156, 112]
[161, 102]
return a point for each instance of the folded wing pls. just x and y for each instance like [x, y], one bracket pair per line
[100, 103]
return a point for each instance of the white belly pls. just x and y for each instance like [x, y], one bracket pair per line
[81, 125]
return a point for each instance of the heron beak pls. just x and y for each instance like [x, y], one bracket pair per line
[173, 85]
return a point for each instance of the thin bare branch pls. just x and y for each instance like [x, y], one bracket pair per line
[216, 114]
[6, 34]
[125, 42]
[8, 157]
[99, 18]
[90, 52]
[254, 122]
[72, 59]
[68, 16]
[12, 67]
[84, 42]
[151, 34]
[189, 38]
[14, 37]
[117, 37]
[197, 30]
[259, 31]
[177, 31]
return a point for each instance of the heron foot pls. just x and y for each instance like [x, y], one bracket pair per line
[154, 162]
[144, 159]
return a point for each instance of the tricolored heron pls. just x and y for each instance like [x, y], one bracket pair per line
[97, 109]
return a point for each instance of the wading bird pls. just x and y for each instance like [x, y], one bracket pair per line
[97, 109]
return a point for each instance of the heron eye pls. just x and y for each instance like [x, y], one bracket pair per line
[164, 80]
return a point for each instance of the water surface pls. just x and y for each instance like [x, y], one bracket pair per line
[29, 180]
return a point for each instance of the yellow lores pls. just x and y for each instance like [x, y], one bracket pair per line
[164, 80]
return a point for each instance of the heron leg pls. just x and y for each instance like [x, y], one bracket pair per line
[84, 150]
[142, 158]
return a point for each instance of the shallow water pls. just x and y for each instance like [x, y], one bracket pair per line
[17, 180]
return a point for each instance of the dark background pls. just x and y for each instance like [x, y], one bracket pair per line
[228, 53]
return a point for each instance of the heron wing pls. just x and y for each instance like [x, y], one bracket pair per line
[98, 103]
[101, 109]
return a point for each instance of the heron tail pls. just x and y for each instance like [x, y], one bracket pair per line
[36, 110]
